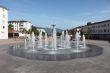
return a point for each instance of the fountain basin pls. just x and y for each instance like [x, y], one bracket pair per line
[57, 55]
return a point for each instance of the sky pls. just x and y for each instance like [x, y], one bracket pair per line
[65, 14]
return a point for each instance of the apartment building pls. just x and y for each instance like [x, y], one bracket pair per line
[19, 26]
[3, 22]
[98, 30]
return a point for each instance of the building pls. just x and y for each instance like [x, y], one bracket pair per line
[20, 26]
[39, 29]
[3, 22]
[98, 30]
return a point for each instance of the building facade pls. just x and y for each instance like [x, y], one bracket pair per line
[20, 27]
[98, 30]
[43, 30]
[3, 22]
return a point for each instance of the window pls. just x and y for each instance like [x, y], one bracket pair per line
[3, 16]
[93, 26]
[22, 25]
[3, 27]
[104, 25]
[104, 30]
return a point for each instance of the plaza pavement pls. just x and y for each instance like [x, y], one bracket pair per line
[10, 41]
[98, 64]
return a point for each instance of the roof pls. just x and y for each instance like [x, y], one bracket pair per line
[98, 22]
[101, 22]
[3, 7]
[94, 23]
[21, 21]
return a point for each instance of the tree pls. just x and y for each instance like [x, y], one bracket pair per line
[72, 32]
[10, 27]
[89, 23]
[24, 31]
[43, 33]
[58, 33]
[89, 31]
[29, 31]
[81, 33]
[34, 29]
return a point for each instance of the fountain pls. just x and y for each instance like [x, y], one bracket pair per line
[40, 40]
[84, 42]
[42, 49]
[46, 41]
[54, 38]
[25, 44]
[67, 40]
[77, 41]
[33, 42]
[29, 40]
[62, 40]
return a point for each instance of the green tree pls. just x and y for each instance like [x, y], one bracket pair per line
[43, 33]
[89, 32]
[89, 23]
[24, 31]
[72, 32]
[58, 33]
[34, 29]
[29, 31]
[10, 27]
